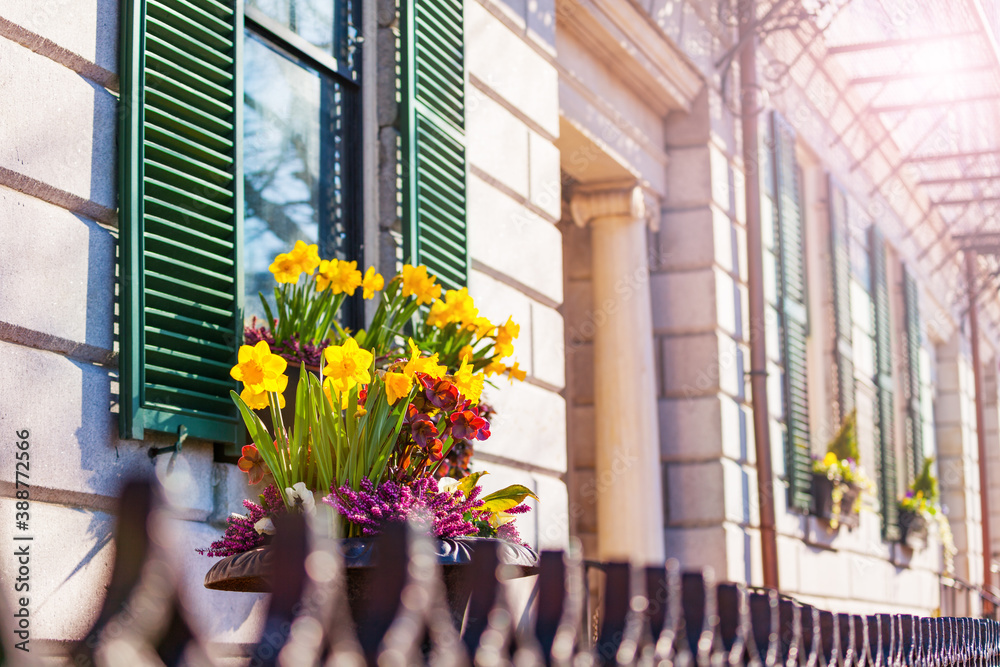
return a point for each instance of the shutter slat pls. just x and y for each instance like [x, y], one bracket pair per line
[914, 422]
[793, 313]
[180, 192]
[434, 192]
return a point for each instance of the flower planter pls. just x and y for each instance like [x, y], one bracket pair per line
[913, 529]
[822, 501]
[248, 572]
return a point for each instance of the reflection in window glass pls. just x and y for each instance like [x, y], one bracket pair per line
[313, 20]
[282, 162]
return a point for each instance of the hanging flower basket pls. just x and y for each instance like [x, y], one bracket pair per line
[913, 528]
[825, 505]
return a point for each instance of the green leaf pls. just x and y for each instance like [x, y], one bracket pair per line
[504, 499]
[468, 483]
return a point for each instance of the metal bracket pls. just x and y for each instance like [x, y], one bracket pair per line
[182, 434]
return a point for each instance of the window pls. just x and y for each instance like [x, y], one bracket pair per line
[301, 134]
[240, 132]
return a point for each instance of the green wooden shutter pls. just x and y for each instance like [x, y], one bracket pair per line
[433, 138]
[914, 415]
[843, 324]
[180, 201]
[885, 450]
[793, 313]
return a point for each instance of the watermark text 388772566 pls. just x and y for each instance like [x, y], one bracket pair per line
[22, 540]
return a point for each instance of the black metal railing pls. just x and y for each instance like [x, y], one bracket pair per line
[637, 616]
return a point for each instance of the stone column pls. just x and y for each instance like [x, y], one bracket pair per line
[629, 489]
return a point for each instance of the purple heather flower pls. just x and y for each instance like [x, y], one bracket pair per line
[240, 533]
[369, 507]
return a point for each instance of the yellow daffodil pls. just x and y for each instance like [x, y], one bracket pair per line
[372, 282]
[339, 276]
[482, 326]
[515, 373]
[494, 368]
[397, 385]
[258, 369]
[348, 365]
[285, 269]
[469, 383]
[830, 459]
[307, 256]
[417, 283]
[457, 306]
[506, 333]
[257, 400]
[418, 364]
[465, 354]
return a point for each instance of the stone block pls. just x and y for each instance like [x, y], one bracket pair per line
[497, 141]
[231, 488]
[581, 437]
[823, 572]
[684, 302]
[522, 77]
[73, 433]
[513, 240]
[869, 578]
[548, 345]
[498, 301]
[687, 239]
[689, 172]
[71, 556]
[529, 425]
[217, 616]
[690, 128]
[387, 108]
[56, 127]
[583, 500]
[699, 547]
[580, 371]
[552, 513]
[578, 309]
[86, 28]
[576, 252]
[75, 303]
[951, 440]
[702, 364]
[545, 179]
[696, 493]
[789, 555]
[744, 564]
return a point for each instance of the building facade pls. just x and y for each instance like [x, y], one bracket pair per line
[602, 201]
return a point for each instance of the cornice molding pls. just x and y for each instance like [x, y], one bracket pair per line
[647, 61]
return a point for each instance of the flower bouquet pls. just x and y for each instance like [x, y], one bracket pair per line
[372, 428]
[919, 508]
[839, 481]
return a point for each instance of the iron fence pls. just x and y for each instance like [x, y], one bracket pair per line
[641, 616]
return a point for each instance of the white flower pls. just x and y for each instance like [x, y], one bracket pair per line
[265, 526]
[237, 517]
[301, 496]
[447, 485]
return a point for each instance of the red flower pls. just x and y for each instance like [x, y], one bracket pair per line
[423, 431]
[468, 425]
[362, 394]
[252, 464]
[443, 395]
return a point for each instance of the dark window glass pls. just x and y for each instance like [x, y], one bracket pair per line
[300, 146]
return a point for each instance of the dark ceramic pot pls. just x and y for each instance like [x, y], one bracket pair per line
[822, 501]
[913, 529]
[248, 572]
